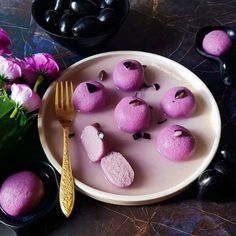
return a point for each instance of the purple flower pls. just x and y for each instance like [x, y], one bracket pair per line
[25, 97]
[9, 70]
[29, 76]
[44, 64]
[4, 43]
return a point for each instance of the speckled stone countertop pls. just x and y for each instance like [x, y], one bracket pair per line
[168, 29]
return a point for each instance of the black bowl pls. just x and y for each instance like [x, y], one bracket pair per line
[50, 200]
[78, 44]
[226, 60]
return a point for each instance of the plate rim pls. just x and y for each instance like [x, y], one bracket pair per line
[133, 199]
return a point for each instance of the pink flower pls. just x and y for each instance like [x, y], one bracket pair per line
[43, 63]
[9, 70]
[29, 76]
[25, 97]
[4, 43]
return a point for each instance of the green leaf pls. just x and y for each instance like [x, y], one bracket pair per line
[6, 105]
[23, 119]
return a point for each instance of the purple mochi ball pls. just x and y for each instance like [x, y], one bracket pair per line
[178, 102]
[175, 142]
[21, 193]
[128, 75]
[217, 42]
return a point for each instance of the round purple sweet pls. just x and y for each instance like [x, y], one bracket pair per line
[89, 96]
[175, 143]
[217, 42]
[178, 102]
[20, 193]
[128, 75]
[132, 115]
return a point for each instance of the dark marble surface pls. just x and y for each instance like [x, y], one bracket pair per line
[168, 30]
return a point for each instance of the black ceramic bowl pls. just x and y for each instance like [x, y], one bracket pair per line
[75, 44]
[227, 60]
[48, 176]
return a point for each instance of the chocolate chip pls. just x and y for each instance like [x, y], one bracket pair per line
[156, 86]
[180, 94]
[129, 65]
[137, 135]
[71, 135]
[102, 75]
[136, 102]
[146, 135]
[92, 88]
[144, 66]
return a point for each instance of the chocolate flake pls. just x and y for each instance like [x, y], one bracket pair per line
[156, 86]
[161, 121]
[136, 102]
[146, 135]
[71, 135]
[137, 135]
[101, 135]
[102, 75]
[96, 125]
[129, 65]
[144, 66]
[180, 94]
[178, 133]
[92, 88]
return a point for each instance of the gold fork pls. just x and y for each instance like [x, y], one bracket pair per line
[65, 113]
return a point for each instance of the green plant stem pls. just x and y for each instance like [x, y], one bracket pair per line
[38, 82]
[14, 113]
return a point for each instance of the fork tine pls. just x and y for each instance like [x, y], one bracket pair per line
[56, 96]
[71, 92]
[62, 96]
[67, 95]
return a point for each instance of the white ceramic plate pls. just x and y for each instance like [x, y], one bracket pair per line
[156, 178]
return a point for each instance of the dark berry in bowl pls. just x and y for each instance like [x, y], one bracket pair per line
[51, 17]
[88, 25]
[88, 33]
[66, 23]
[108, 16]
[84, 8]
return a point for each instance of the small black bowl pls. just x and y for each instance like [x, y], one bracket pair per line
[78, 44]
[50, 200]
[226, 60]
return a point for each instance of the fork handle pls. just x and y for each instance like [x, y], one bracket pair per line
[67, 191]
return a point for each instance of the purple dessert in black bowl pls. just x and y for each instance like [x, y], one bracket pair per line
[80, 25]
[217, 43]
[45, 173]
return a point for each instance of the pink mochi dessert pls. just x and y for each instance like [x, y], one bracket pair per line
[175, 143]
[117, 170]
[21, 193]
[94, 142]
[89, 96]
[128, 75]
[178, 102]
[217, 42]
[132, 115]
